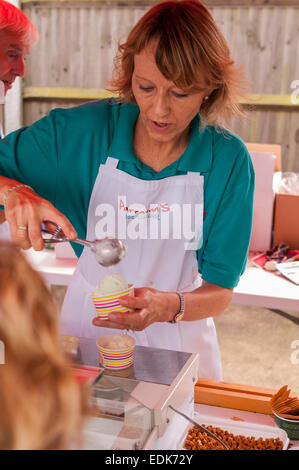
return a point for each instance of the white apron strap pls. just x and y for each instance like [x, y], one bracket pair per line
[111, 163]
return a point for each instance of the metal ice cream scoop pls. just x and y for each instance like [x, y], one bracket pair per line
[108, 251]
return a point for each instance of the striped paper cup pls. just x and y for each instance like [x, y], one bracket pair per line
[127, 373]
[112, 358]
[106, 304]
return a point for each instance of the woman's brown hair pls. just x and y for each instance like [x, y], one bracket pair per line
[191, 52]
[41, 404]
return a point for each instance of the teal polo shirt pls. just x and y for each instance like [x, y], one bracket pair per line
[59, 157]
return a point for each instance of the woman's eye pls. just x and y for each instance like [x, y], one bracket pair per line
[146, 88]
[180, 95]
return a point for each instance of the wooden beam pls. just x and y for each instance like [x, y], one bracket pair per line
[264, 99]
[65, 93]
[253, 99]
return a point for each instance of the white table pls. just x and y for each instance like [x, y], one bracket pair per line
[260, 288]
[55, 271]
[256, 287]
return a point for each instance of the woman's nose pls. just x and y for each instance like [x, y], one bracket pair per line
[161, 104]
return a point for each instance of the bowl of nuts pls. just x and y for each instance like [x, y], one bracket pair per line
[236, 435]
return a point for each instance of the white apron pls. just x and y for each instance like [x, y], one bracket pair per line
[156, 220]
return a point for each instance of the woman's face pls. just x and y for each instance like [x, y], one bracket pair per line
[12, 58]
[165, 110]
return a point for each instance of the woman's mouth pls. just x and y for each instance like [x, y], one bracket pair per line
[160, 126]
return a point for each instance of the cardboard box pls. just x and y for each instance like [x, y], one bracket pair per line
[275, 149]
[286, 220]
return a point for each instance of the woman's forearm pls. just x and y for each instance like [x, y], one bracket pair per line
[5, 184]
[209, 300]
[150, 305]
[25, 211]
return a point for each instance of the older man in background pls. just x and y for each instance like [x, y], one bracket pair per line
[17, 35]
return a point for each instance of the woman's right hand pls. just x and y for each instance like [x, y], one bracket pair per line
[25, 211]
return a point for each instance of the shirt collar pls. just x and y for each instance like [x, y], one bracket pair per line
[197, 156]
[122, 144]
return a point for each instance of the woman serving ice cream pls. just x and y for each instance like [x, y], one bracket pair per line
[154, 169]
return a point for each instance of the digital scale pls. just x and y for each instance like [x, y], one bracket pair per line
[132, 406]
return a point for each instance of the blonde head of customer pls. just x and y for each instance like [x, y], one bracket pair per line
[41, 404]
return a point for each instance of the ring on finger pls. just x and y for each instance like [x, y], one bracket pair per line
[22, 227]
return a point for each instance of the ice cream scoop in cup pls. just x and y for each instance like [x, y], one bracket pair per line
[116, 351]
[109, 290]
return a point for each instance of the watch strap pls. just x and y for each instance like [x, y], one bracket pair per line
[179, 315]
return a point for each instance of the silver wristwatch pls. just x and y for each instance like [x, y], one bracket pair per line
[179, 316]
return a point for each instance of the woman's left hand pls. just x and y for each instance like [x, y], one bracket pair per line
[148, 305]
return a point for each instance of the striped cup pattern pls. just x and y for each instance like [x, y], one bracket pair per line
[110, 303]
[116, 359]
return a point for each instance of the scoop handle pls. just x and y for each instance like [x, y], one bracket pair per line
[81, 241]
